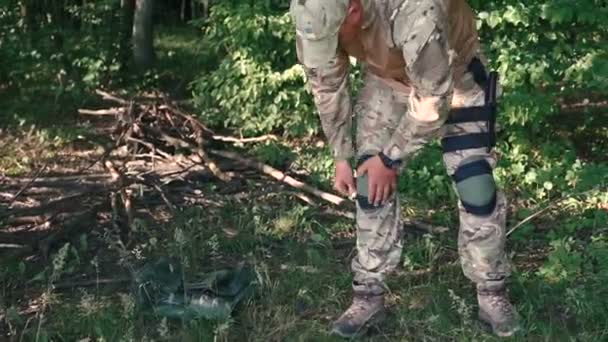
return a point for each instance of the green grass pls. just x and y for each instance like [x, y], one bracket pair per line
[302, 257]
[304, 282]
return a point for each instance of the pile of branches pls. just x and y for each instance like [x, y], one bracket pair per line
[159, 155]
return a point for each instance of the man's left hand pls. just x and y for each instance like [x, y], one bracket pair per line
[382, 181]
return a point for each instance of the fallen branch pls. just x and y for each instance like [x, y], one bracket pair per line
[552, 204]
[163, 195]
[280, 176]
[341, 213]
[75, 222]
[151, 147]
[33, 219]
[125, 195]
[64, 181]
[529, 218]
[187, 117]
[419, 226]
[27, 185]
[92, 282]
[244, 140]
[59, 205]
[108, 96]
[12, 246]
[101, 112]
[177, 142]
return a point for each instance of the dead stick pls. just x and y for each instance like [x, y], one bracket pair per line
[304, 198]
[119, 177]
[280, 176]
[529, 218]
[62, 204]
[552, 204]
[244, 140]
[108, 96]
[423, 227]
[163, 195]
[28, 184]
[75, 222]
[101, 112]
[341, 213]
[151, 147]
[186, 116]
[92, 282]
[62, 180]
[12, 246]
[199, 151]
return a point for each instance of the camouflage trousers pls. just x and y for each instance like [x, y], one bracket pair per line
[481, 239]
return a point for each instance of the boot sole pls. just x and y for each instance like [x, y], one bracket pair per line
[374, 320]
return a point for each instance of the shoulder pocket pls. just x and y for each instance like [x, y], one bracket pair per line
[416, 39]
[413, 28]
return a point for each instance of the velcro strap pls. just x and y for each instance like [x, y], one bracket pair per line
[476, 168]
[479, 72]
[364, 203]
[469, 114]
[363, 159]
[481, 210]
[465, 142]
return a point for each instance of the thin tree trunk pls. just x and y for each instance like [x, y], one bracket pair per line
[206, 9]
[183, 11]
[194, 9]
[27, 14]
[126, 31]
[143, 34]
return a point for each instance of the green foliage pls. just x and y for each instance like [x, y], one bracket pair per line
[563, 264]
[256, 86]
[273, 153]
[544, 50]
[58, 62]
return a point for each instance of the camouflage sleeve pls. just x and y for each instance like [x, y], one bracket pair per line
[421, 33]
[330, 88]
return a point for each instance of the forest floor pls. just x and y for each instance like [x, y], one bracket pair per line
[299, 246]
[77, 285]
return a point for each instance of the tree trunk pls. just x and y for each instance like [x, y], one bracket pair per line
[205, 9]
[126, 31]
[143, 34]
[27, 14]
[194, 9]
[182, 14]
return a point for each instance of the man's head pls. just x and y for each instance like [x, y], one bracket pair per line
[322, 23]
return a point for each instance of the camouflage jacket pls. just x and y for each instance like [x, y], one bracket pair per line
[421, 47]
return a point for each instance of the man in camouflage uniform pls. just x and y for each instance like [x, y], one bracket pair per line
[425, 78]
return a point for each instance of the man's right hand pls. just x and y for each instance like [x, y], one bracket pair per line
[345, 182]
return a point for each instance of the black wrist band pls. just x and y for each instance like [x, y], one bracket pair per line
[388, 162]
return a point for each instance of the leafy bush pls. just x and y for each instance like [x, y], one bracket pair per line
[57, 62]
[544, 51]
[256, 87]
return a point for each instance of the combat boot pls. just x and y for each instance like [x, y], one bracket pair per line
[496, 310]
[364, 310]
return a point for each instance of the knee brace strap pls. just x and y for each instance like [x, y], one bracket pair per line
[363, 195]
[476, 187]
